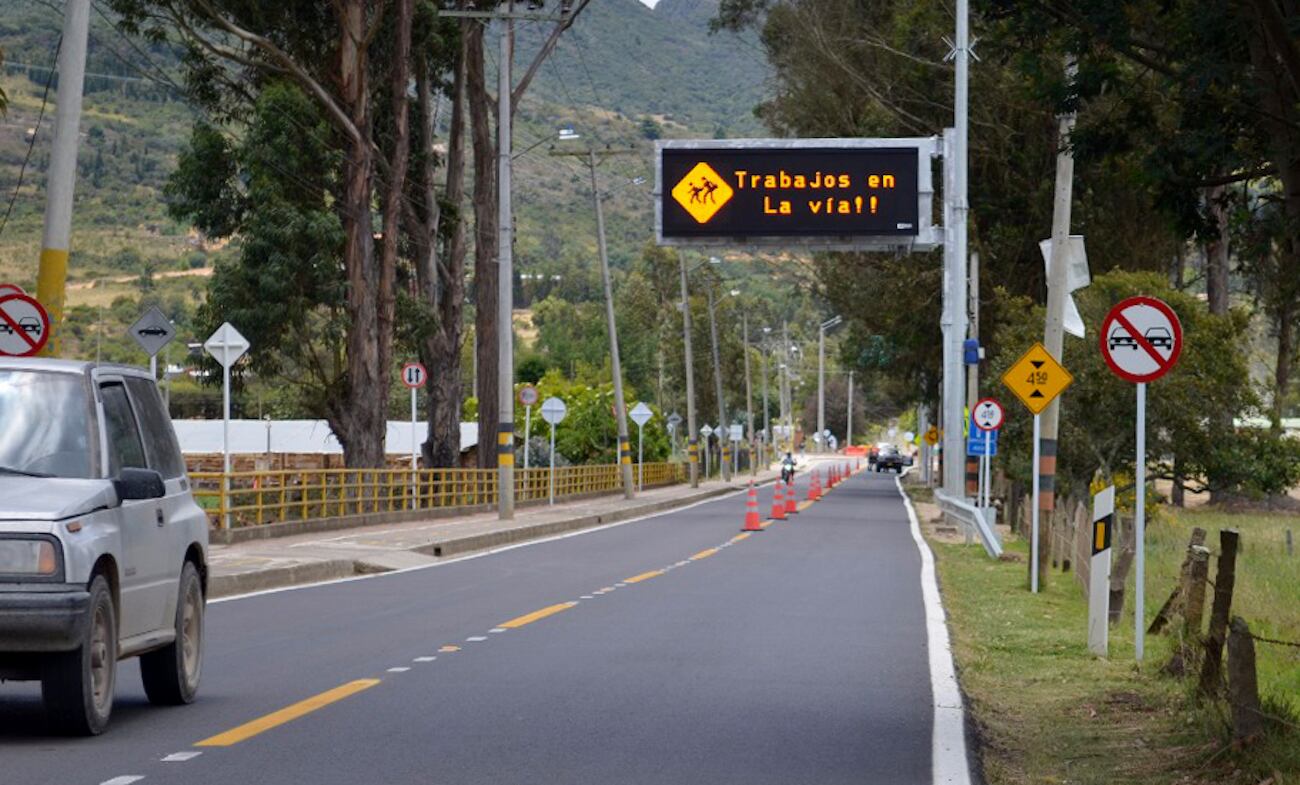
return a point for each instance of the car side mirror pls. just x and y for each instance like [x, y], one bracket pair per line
[139, 484]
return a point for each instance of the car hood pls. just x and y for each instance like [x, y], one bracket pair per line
[50, 498]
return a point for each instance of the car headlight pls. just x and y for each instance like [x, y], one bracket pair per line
[30, 557]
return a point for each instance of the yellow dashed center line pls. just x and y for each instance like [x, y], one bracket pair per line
[448, 649]
[740, 537]
[529, 618]
[704, 554]
[287, 714]
[645, 576]
[804, 505]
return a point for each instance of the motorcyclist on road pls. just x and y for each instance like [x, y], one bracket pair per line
[787, 468]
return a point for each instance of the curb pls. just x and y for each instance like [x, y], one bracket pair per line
[317, 572]
[277, 577]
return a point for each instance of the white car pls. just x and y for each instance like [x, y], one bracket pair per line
[103, 551]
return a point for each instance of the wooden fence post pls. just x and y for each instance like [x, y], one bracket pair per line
[1191, 605]
[1243, 686]
[1168, 609]
[1225, 578]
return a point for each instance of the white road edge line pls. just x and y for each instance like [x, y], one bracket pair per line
[497, 630]
[468, 557]
[125, 779]
[424, 659]
[180, 757]
[950, 761]
[402, 669]
[475, 639]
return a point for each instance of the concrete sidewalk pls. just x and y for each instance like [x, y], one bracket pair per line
[260, 564]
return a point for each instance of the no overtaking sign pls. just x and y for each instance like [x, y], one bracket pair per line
[1141, 339]
[24, 325]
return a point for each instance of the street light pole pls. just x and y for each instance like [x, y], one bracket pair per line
[821, 381]
[723, 441]
[749, 398]
[848, 430]
[766, 444]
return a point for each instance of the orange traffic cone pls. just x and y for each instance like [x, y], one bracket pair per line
[778, 502]
[814, 488]
[791, 506]
[752, 521]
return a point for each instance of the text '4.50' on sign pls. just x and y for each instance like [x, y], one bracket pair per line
[1037, 378]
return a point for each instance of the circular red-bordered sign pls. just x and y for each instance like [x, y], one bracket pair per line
[24, 325]
[1141, 339]
[988, 414]
[414, 375]
[528, 395]
[11, 288]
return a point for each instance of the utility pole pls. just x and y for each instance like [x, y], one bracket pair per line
[821, 381]
[749, 398]
[505, 240]
[723, 441]
[956, 207]
[620, 405]
[787, 396]
[767, 422]
[848, 431]
[505, 279]
[52, 276]
[1054, 329]
[692, 436]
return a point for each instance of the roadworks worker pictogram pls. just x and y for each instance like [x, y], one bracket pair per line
[702, 192]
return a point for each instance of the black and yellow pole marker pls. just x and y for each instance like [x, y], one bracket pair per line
[1103, 527]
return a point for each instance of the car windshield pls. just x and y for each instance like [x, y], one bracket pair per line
[44, 424]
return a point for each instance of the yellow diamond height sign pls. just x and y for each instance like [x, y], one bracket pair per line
[702, 192]
[1037, 378]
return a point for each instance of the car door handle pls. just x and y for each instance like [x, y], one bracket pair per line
[161, 519]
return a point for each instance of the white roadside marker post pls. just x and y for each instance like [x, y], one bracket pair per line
[1103, 526]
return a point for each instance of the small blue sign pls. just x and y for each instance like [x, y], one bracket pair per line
[980, 442]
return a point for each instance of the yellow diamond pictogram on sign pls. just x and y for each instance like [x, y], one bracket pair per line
[702, 192]
[1037, 378]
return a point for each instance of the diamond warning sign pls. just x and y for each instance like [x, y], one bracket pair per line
[1037, 378]
[702, 192]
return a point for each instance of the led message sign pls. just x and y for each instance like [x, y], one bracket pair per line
[779, 192]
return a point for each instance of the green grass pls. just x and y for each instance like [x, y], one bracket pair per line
[1050, 712]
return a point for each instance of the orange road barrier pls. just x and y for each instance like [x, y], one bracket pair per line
[778, 502]
[752, 522]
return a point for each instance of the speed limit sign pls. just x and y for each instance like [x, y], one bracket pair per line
[414, 375]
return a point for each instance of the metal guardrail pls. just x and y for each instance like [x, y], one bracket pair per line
[243, 499]
[973, 519]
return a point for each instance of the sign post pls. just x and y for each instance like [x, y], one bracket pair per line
[553, 411]
[988, 417]
[640, 415]
[1103, 527]
[1036, 379]
[1141, 339]
[528, 397]
[226, 346]
[24, 324]
[414, 377]
[735, 434]
[153, 330]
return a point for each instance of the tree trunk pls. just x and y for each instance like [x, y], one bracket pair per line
[1225, 580]
[1281, 118]
[1216, 254]
[485, 247]
[393, 199]
[363, 425]
[444, 286]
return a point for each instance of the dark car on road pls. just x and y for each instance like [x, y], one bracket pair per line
[890, 458]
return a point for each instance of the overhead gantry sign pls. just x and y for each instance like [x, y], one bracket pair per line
[850, 194]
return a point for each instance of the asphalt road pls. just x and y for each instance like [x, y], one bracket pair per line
[795, 655]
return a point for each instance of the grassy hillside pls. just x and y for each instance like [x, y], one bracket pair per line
[622, 75]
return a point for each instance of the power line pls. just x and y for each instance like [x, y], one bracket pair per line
[31, 143]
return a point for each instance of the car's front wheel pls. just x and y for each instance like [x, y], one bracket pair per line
[77, 686]
[171, 674]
